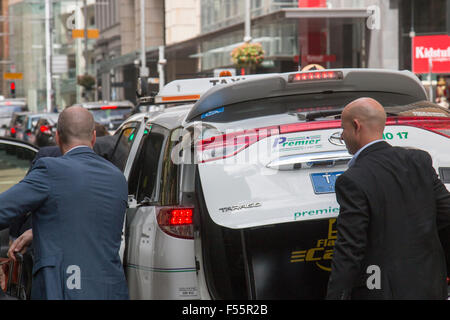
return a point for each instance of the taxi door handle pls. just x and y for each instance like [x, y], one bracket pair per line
[305, 161]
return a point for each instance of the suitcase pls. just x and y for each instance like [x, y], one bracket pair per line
[13, 287]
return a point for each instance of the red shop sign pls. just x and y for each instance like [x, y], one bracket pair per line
[312, 3]
[436, 48]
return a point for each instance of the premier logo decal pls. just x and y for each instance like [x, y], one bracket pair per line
[316, 212]
[294, 143]
[236, 208]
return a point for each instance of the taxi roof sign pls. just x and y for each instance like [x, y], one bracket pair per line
[191, 90]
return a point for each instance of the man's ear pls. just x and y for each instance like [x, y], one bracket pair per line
[94, 137]
[356, 125]
[57, 139]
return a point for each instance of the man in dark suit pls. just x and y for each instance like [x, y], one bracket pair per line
[78, 202]
[392, 207]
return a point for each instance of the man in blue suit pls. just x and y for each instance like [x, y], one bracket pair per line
[78, 202]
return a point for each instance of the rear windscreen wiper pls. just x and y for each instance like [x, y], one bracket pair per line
[312, 115]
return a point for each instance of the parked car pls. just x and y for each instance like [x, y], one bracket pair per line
[7, 108]
[17, 125]
[15, 157]
[110, 114]
[232, 196]
[44, 130]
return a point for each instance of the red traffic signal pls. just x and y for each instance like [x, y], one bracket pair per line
[12, 87]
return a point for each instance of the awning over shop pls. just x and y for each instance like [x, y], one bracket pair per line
[298, 13]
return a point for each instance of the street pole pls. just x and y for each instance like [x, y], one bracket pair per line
[85, 37]
[161, 63]
[248, 21]
[48, 56]
[143, 71]
[430, 88]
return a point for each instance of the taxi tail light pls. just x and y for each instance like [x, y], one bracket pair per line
[177, 222]
[230, 144]
[437, 125]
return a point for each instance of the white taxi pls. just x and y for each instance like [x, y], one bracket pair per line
[231, 196]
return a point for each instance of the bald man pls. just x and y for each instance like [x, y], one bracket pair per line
[394, 216]
[78, 202]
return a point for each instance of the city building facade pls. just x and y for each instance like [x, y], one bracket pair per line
[27, 45]
[198, 37]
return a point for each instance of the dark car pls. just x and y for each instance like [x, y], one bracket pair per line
[7, 108]
[110, 114]
[17, 125]
[44, 131]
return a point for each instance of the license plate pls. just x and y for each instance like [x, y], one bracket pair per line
[324, 182]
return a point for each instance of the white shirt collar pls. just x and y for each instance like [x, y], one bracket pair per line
[76, 147]
[353, 159]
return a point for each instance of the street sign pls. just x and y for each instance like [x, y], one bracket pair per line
[12, 76]
[431, 49]
[91, 33]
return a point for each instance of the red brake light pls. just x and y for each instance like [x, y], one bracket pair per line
[438, 125]
[315, 76]
[177, 222]
[45, 129]
[108, 107]
[227, 145]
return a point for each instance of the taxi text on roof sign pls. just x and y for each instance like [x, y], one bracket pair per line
[186, 90]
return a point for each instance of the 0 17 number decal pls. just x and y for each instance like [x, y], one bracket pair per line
[400, 135]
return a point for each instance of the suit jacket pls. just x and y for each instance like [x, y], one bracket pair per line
[392, 205]
[22, 223]
[78, 202]
[104, 146]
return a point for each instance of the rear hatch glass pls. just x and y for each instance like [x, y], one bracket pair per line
[267, 170]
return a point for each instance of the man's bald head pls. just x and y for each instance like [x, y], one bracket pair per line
[363, 121]
[368, 111]
[76, 126]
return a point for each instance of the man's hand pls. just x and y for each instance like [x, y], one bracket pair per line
[20, 244]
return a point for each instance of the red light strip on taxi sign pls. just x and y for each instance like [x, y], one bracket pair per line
[315, 76]
[108, 107]
[181, 98]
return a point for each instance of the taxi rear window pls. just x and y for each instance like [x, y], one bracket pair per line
[298, 103]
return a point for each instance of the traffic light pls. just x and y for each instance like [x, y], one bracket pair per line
[12, 88]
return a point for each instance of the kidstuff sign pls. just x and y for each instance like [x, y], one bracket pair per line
[436, 48]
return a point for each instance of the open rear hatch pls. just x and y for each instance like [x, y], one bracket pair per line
[265, 187]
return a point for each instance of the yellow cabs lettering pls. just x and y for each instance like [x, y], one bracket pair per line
[310, 254]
